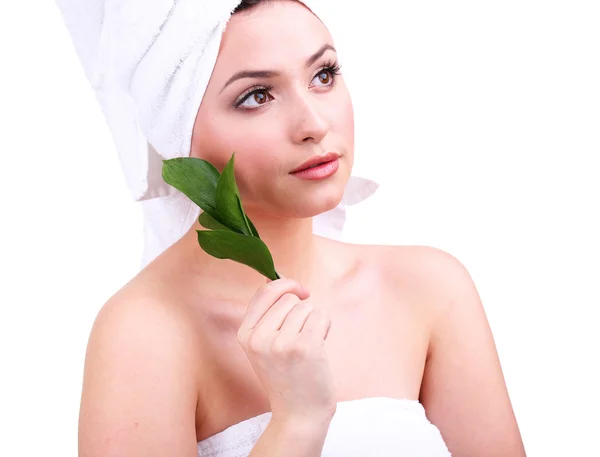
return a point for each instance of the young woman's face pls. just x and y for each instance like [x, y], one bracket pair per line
[295, 108]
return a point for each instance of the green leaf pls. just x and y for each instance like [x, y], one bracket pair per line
[254, 231]
[196, 178]
[248, 250]
[209, 222]
[230, 212]
[249, 223]
[231, 234]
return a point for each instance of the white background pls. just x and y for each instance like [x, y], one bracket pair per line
[481, 120]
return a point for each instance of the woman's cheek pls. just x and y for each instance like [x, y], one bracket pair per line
[209, 140]
[347, 114]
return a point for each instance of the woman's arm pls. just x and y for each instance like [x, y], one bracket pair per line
[139, 390]
[463, 390]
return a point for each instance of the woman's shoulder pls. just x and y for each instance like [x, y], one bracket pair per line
[143, 312]
[140, 374]
[431, 273]
[144, 316]
[149, 295]
[406, 260]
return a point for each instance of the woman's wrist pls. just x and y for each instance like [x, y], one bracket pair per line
[293, 436]
[301, 428]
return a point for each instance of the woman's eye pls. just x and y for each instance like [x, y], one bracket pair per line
[324, 77]
[256, 98]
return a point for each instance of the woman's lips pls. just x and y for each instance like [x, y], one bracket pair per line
[317, 160]
[321, 171]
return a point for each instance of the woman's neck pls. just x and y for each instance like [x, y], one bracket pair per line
[294, 247]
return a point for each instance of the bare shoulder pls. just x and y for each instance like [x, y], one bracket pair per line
[463, 388]
[144, 308]
[139, 392]
[431, 272]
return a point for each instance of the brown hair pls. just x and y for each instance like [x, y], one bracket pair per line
[247, 4]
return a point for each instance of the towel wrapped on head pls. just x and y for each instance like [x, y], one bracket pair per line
[149, 63]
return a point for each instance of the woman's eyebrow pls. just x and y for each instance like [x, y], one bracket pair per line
[270, 73]
[317, 55]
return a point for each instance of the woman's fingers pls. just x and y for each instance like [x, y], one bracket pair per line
[295, 319]
[317, 325]
[274, 318]
[267, 295]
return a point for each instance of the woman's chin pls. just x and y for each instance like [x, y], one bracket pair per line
[326, 199]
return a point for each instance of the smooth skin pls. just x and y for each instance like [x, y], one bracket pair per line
[170, 359]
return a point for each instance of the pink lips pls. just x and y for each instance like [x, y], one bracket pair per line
[321, 171]
[317, 160]
[318, 167]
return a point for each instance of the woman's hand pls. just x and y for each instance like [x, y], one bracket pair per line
[283, 337]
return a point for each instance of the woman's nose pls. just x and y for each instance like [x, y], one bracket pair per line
[310, 123]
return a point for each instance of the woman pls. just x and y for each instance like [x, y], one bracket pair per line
[196, 354]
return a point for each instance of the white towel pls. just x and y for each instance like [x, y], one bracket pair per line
[149, 63]
[366, 427]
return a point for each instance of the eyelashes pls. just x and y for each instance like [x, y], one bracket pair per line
[333, 67]
[252, 91]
